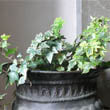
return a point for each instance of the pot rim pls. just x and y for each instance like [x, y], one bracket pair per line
[62, 72]
[57, 77]
[54, 72]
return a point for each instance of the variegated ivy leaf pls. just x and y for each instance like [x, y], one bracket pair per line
[87, 66]
[79, 51]
[39, 38]
[71, 65]
[43, 45]
[54, 50]
[59, 46]
[31, 50]
[22, 80]
[5, 44]
[13, 76]
[89, 52]
[49, 57]
[48, 35]
[22, 70]
[38, 52]
[13, 67]
[34, 43]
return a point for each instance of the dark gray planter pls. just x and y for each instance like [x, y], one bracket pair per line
[52, 90]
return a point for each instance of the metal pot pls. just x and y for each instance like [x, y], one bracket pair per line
[51, 90]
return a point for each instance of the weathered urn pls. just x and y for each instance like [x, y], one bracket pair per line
[51, 90]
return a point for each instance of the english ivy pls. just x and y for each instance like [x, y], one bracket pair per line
[50, 51]
[7, 52]
[92, 46]
[49, 48]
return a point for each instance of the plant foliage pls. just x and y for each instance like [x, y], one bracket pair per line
[50, 51]
[92, 46]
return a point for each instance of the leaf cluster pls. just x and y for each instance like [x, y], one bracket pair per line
[5, 50]
[92, 46]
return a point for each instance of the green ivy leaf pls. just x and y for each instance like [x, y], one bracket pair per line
[5, 37]
[61, 58]
[68, 47]
[39, 61]
[56, 27]
[10, 51]
[32, 64]
[2, 96]
[60, 68]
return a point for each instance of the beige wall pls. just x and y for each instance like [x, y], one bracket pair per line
[99, 8]
[24, 18]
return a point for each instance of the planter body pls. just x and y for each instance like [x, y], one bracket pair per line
[58, 91]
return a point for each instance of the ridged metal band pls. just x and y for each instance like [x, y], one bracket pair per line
[55, 100]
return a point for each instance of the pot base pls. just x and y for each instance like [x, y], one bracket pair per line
[90, 103]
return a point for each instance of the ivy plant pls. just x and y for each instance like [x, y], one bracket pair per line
[92, 46]
[6, 52]
[50, 52]
[47, 51]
